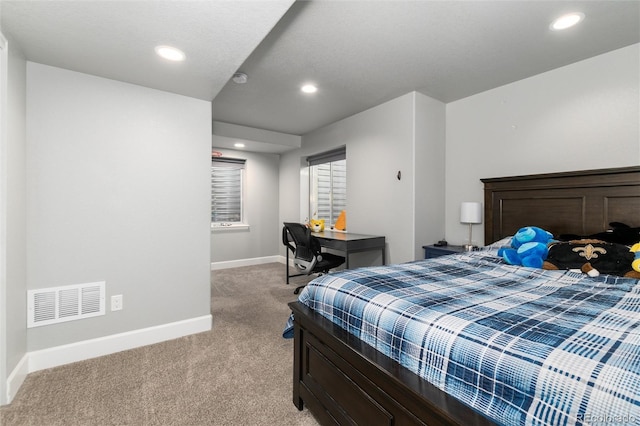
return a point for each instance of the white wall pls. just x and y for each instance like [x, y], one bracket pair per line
[118, 190]
[3, 219]
[260, 208]
[428, 162]
[13, 342]
[582, 116]
[380, 142]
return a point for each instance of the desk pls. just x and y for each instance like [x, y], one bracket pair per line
[347, 242]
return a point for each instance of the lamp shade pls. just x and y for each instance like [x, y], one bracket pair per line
[471, 212]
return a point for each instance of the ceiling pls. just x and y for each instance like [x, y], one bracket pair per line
[116, 38]
[359, 53]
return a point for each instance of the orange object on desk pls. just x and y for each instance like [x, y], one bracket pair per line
[341, 223]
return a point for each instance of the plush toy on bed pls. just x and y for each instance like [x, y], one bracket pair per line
[528, 247]
[636, 262]
[594, 257]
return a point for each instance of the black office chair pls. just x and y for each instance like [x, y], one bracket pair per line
[307, 255]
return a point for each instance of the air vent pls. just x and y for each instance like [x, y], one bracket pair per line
[60, 304]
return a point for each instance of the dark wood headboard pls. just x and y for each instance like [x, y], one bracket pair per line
[581, 202]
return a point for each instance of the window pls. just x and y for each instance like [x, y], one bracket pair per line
[227, 191]
[328, 185]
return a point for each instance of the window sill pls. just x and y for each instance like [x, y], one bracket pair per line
[223, 227]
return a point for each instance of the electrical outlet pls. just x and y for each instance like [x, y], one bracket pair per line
[116, 302]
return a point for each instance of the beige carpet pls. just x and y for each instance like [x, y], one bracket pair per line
[239, 373]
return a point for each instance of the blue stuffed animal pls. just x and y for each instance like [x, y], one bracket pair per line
[528, 247]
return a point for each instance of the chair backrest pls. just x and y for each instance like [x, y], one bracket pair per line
[307, 249]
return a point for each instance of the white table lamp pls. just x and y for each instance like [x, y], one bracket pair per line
[470, 213]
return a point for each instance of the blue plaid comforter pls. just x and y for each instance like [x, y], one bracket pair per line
[522, 346]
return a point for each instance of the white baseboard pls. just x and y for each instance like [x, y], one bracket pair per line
[17, 377]
[246, 262]
[66, 354]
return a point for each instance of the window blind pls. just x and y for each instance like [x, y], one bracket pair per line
[226, 189]
[328, 184]
[328, 156]
[331, 190]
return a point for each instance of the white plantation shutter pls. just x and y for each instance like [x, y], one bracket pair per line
[226, 190]
[328, 185]
[323, 182]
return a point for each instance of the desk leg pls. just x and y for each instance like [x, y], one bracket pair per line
[287, 266]
[384, 256]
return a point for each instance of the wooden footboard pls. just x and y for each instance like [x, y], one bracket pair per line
[344, 381]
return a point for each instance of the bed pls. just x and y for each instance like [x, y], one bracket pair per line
[350, 371]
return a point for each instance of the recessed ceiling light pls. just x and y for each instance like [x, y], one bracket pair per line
[170, 53]
[309, 88]
[238, 145]
[567, 21]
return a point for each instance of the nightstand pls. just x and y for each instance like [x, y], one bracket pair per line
[436, 251]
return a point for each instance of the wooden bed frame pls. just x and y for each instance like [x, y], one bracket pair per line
[344, 381]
